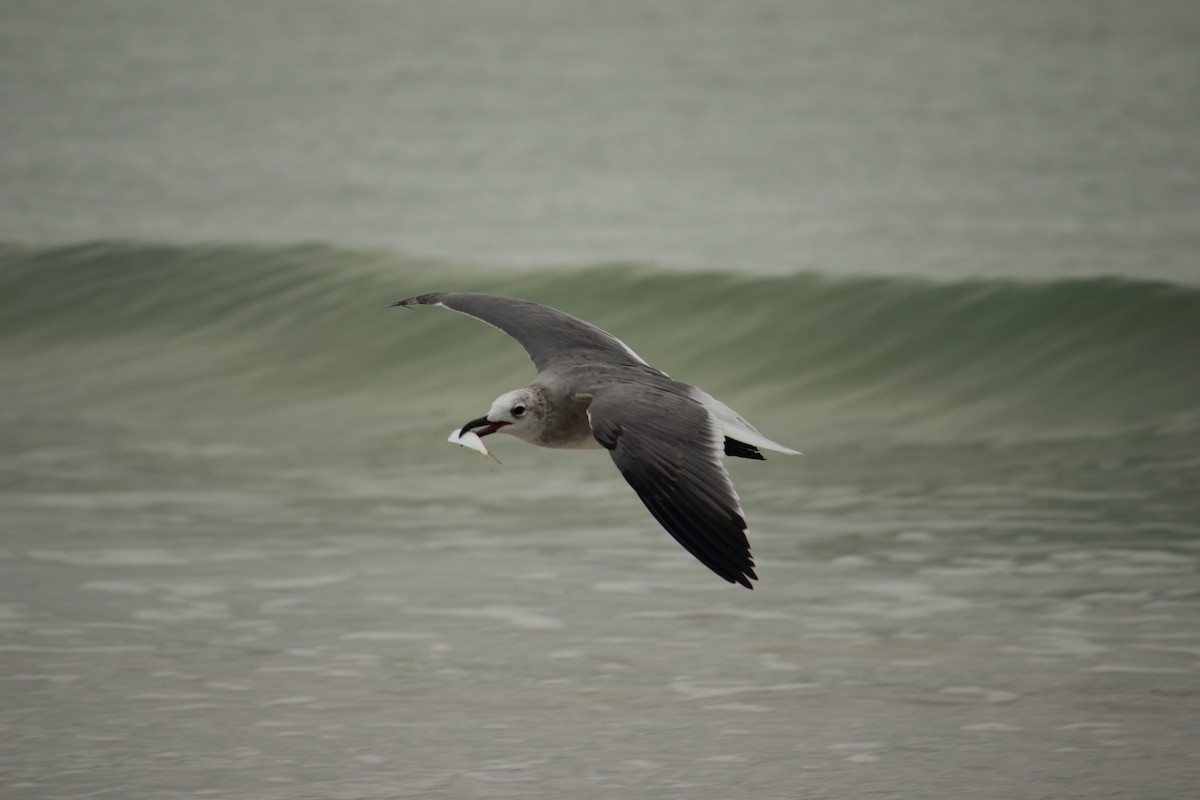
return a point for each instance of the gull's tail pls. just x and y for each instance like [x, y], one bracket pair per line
[741, 438]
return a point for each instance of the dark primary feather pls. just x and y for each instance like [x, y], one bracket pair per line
[668, 450]
[742, 450]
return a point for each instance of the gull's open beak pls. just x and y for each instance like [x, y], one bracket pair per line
[485, 425]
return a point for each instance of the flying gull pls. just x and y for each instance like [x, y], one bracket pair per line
[666, 437]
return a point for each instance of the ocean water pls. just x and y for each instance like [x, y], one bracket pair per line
[948, 251]
[1033, 138]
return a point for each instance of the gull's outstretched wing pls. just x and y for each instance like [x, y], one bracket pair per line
[669, 449]
[547, 334]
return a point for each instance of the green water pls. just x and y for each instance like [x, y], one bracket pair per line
[250, 336]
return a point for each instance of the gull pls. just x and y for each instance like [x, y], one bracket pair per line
[593, 391]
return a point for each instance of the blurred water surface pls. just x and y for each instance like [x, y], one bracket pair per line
[939, 137]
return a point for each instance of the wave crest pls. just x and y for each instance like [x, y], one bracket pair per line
[274, 327]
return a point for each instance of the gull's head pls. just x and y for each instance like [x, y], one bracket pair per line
[519, 412]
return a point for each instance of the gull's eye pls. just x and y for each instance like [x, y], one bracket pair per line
[518, 410]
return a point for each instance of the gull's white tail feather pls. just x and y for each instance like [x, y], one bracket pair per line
[738, 427]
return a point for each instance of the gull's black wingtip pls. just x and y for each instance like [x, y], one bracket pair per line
[745, 575]
[742, 450]
[428, 299]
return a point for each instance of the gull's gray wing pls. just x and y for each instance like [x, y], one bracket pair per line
[669, 450]
[547, 334]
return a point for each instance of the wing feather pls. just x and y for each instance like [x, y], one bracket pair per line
[547, 334]
[668, 448]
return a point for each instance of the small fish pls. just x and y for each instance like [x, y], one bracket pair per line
[471, 439]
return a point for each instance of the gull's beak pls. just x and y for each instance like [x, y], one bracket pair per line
[485, 426]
